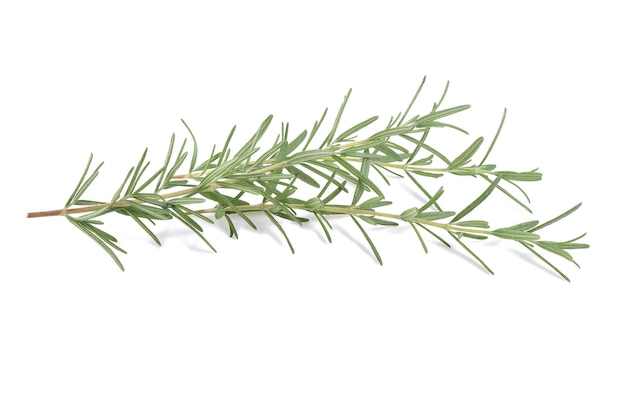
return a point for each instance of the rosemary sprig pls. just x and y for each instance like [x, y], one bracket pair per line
[343, 175]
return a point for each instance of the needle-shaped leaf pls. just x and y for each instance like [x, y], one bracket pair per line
[142, 225]
[495, 138]
[325, 225]
[557, 218]
[477, 201]
[83, 227]
[194, 155]
[369, 240]
[346, 134]
[472, 253]
[466, 155]
[333, 130]
[514, 234]
[280, 229]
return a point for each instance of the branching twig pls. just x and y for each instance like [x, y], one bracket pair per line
[340, 171]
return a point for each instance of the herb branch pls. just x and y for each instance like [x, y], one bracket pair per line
[343, 175]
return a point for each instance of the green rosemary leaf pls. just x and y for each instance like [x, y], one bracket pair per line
[183, 217]
[432, 200]
[469, 251]
[419, 236]
[73, 196]
[435, 215]
[477, 201]
[168, 156]
[519, 176]
[439, 124]
[374, 202]
[508, 194]
[223, 155]
[150, 212]
[149, 181]
[330, 178]
[224, 169]
[514, 234]
[241, 186]
[142, 225]
[310, 155]
[408, 108]
[315, 128]
[389, 153]
[385, 179]
[117, 194]
[377, 221]
[192, 225]
[178, 162]
[93, 214]
[333, 130]
[443, 95]
[280, 228]
[87, 203]
[337, 171]
[525, 226]
[231, 227]
[428, 160]
[109, 239]
[383, 135]
[250, 146]
[334, 193]
[366, 182]
[554, 248]
[293, 145]
[285, 212]
[303, 176]
[194, 156]
[369, 241]
[346, 134]
[427, 119]
[196, 214]
[472, 235]
[313, 203]
[426, 174]
[360, 186]
[137, 173]
[557, 218]
[185, 200]
[82, 186]
[542, 258]
[271, 154]
[467, 154]
[154, 199]
[98, 240]
[482, 224]
[433, 234]
[325, 225]
[422, 145]
[495, 138]
[232, 206]
[423, 190]
[574, 245]
[177, 183]
[409, 214]
[282, 141]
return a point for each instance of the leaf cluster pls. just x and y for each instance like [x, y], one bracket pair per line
[344, 174]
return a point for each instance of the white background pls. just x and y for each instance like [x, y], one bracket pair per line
[253, 331]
